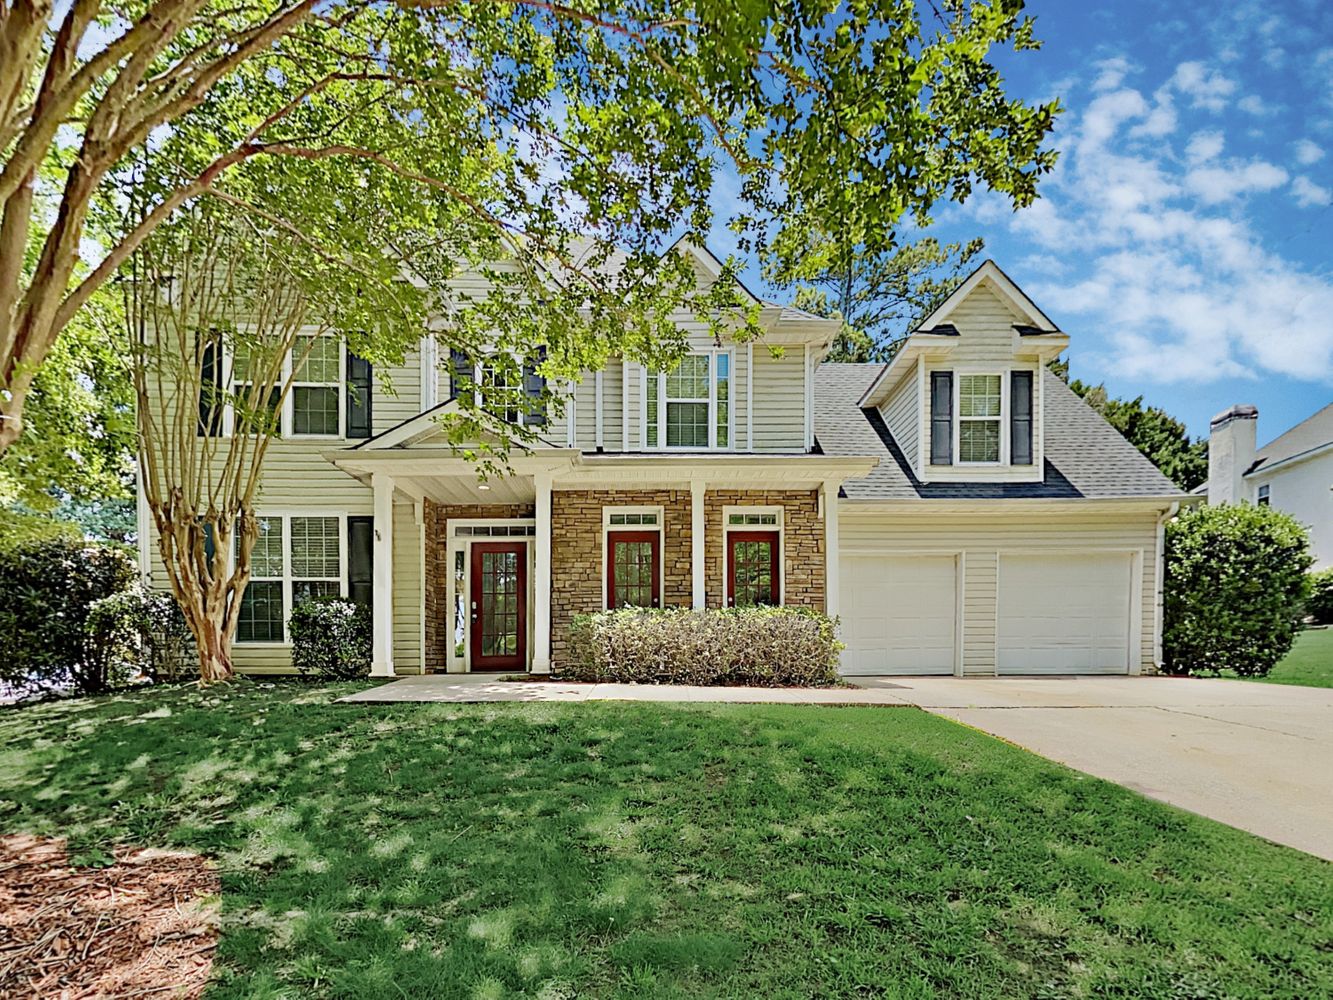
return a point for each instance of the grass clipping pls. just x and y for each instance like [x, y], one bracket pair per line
[144, 925]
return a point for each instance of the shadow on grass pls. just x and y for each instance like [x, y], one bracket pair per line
[647, 850]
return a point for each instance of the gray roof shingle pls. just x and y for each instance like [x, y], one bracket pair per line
[1086, 458]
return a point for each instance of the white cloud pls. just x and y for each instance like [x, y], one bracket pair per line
[1253, 104]
[1308, 194]
[1220, 183]
[1206, 88]
[1308, 153]
[1157, 254]
[1204, 146]
[1111, 73]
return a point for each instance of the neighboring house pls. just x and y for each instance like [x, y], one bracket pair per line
[960, 509]
[1293, 472]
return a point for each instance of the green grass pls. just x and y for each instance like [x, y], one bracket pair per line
[1310, 661]
[638, 850]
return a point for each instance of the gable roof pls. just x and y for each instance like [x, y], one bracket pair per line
[1309, 435]
[1086, 458]
[990, 273]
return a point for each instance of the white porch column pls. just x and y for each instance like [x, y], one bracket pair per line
[541, 578]
[697, 538]
[831, 596]
[381, 663]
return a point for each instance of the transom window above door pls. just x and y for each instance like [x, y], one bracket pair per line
[689, 407]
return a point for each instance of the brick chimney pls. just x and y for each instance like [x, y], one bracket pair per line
[1231, 447]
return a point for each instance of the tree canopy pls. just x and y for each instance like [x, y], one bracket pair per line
[426, 136]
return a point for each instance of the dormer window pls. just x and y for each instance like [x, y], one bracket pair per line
[981, 418]
[980, 402]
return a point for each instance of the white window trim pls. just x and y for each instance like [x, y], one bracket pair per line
[1263, 495]
[478, 397]
[780, 528]
[1002, 419]
[608, 528]
[453, 663]
[286, 515]
[712, 354]
[285, 417]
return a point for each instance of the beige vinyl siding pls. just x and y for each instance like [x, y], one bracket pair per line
[613, 396]
[902, 414]
[779, 400]
[985, 329]
[397, 394]
[983, 535]
[406, 590]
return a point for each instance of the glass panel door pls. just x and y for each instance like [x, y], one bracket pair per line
[752, 569]
[498, 612]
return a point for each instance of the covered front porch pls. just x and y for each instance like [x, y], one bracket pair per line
[500, 565]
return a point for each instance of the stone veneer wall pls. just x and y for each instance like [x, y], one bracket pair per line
[803, 543]
[438, 633]
[578, 581]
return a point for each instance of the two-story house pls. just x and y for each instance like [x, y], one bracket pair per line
[959, 509]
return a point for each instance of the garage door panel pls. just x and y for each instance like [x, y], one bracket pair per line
[1063, 613]
[899, 614]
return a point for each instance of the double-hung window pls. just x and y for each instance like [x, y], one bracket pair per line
[295, 558]
[980, 418]
[315, 403]
[689, 407]
[317, 388]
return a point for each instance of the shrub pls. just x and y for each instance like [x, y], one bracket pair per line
[1236, 588]
[1320, 605]
[761, 647]
[331, 637]
[48, 587]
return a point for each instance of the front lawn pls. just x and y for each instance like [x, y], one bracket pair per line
[1310, 661]
[639, 850]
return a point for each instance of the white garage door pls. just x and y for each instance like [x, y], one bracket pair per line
[1063, 614]
[898, 614]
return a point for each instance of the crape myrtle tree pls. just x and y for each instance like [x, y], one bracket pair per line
[540, 120]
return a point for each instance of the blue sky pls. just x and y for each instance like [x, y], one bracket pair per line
[1185, 241]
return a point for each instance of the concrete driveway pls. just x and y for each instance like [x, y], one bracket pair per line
[1255, 756]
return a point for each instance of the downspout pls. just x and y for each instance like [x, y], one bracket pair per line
[1159, 583]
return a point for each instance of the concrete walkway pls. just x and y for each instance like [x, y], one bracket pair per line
[1255, 756]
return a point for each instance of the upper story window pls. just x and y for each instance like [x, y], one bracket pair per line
[512, 390]
[981, 418]
[1265, 499]
[979, 413]
[329, 395]
[689, 407]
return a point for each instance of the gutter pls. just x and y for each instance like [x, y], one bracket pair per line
[1158, 569]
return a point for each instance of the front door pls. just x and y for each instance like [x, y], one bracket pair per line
[752, 569]
[498, 615]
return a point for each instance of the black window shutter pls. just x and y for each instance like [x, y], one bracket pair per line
[210, 546]
[460, 373]
[1020, 418]
[534, 385]
[941, 418]
[360, 385]
[210, 389]
[361, 560]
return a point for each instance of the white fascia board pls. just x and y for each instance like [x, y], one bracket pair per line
[1001, 283]
[1291, 460]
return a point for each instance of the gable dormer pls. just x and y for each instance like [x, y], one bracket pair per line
[963, 396]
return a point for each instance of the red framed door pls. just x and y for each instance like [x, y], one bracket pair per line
[633, 569]
[753, 576]
[498, 633]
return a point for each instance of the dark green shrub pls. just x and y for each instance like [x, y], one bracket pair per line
[48, 587]
[331, 638]
[1236, 588]
[753, 647]
[1320, 605]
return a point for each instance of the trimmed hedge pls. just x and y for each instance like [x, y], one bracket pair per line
[331, 638]
[1236, 589]
[752, 647]
[1320, 605]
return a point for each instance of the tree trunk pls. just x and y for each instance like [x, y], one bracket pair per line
[214, 652]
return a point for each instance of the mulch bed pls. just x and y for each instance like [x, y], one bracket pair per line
[144, 926]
